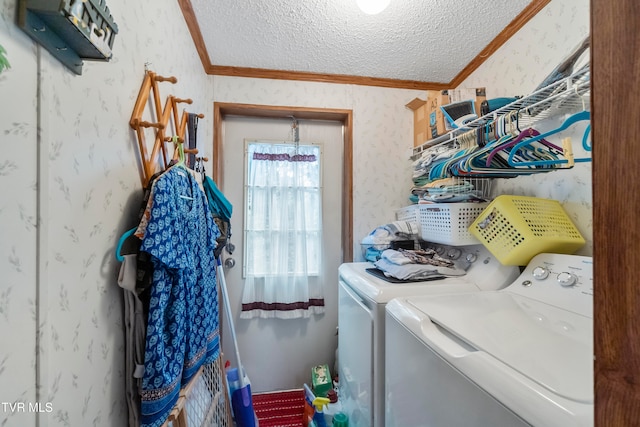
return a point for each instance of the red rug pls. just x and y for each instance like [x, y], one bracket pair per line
[279, 408]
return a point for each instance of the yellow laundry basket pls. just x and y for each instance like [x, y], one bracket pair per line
[517, 228]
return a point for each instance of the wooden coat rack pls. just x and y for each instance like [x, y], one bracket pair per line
[165, 116]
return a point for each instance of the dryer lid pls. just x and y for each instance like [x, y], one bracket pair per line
[546, 344]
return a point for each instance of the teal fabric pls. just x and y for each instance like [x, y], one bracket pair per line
[218, 203]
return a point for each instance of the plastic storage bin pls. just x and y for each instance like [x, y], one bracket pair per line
[408, 213]
[448, 223]
[516, 228]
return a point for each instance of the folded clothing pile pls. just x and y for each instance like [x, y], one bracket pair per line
[447, 190]
[419, 264]
[383, 237]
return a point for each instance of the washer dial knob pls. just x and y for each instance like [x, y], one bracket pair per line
[454, 253]
[471, 257]
[567, 279]
[540, 273]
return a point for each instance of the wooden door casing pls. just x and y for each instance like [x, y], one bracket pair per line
[615, 73]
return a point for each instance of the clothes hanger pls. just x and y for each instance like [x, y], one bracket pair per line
[520, 139]
[474, 164]
[505, 129]
[585, 138]
[570, 121]
[121, 241]
[129, 233]
[181, 157]
[467, 143]
[468, 164]
[181, 162]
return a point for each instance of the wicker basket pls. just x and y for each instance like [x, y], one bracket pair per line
[516, 228]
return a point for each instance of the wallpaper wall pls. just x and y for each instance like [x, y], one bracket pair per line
[69, 186]
[18, 234]
[89, 195]
[517, 68]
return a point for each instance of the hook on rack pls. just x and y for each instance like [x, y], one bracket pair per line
[165, 115]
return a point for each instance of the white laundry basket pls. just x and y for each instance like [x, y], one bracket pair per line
[448, 223]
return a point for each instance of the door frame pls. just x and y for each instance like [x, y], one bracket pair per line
[223, 109]
[615, 128]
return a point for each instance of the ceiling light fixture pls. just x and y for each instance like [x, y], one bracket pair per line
[373, 7]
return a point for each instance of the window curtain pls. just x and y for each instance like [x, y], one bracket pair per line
[284, 231]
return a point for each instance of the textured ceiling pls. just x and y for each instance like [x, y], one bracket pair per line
[417, 40]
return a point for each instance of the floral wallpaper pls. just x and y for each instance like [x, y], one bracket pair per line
[75, 164]
[18, 216]
[517, 68]
[70, 186]
[525, 59]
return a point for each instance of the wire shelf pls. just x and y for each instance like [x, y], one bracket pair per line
[566, 95]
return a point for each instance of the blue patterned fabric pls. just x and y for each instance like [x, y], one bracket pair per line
[182, 327]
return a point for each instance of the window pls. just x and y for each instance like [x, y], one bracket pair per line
[283, 210]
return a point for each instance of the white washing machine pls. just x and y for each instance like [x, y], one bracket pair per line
[520, 356]
[361, 315]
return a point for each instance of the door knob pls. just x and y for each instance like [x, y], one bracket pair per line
[229, 262]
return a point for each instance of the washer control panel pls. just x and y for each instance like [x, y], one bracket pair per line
[462, 256]
[481, 266]
[565, 281]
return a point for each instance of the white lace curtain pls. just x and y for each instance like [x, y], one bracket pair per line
[283, 232]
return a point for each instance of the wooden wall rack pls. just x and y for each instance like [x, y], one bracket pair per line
[169, 123]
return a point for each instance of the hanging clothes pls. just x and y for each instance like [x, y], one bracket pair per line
[192, 140]
[135, 332]
[135, 279]
[179, 233]
[221, 209]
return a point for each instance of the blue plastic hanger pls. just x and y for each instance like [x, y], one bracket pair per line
[585, 138]
[124, 237]
[581, 116]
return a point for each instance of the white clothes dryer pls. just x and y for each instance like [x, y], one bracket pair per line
[519, 356]
[361, 314]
